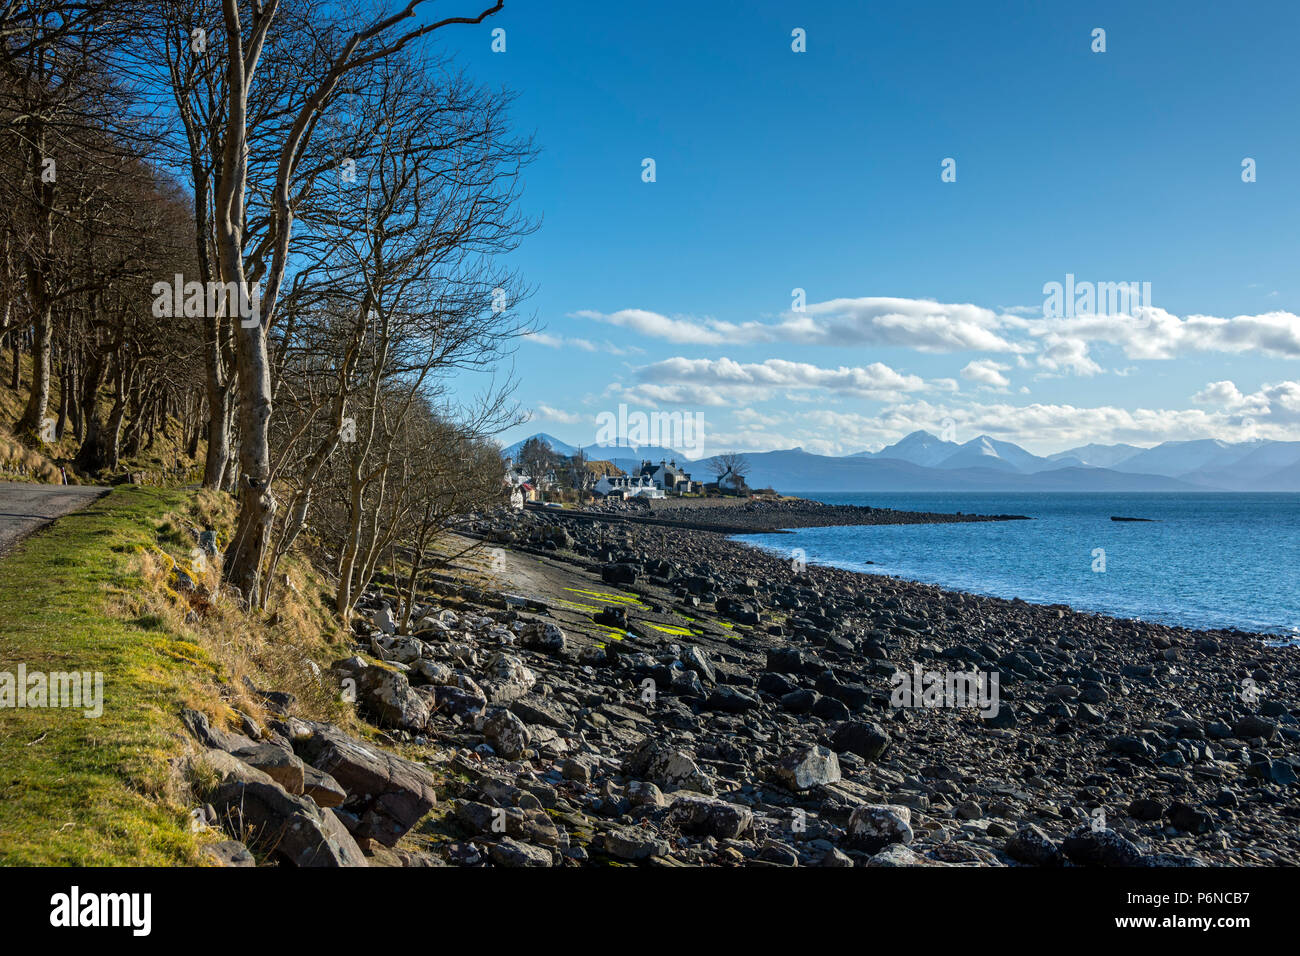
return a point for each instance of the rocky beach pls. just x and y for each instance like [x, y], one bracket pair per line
[615, 692]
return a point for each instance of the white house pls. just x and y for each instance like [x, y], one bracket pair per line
[520, 486]
[627, 486]
[667, 477]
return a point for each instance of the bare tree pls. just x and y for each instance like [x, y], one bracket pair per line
[58, 94]
[458, 473]
[537, 458]
[384, 37]
[730, 468]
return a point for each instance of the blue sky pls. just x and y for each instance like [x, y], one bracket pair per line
[820, 170]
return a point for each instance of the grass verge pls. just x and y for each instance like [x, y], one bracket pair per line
[95, 592]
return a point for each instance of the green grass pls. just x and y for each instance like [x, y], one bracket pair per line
[94, 791]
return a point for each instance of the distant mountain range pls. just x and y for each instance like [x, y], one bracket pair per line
[924, 462]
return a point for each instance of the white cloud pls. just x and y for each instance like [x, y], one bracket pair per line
[921, 324]
[547, 413]
[1061, 345]
[584, 345]
[1154, 334]
[986, 372]
[1224, 394]
[722, 381]
[684, 331]
[1064, 355]
[1278, 403]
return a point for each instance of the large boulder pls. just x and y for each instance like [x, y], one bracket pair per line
[896, 854]
[385, 694]
[507, 734]
[322, 788]
[619, 574]
[696, 660]
[213, 737]
[285, 826]
[506, 678]
[807, 767]
[544, 636]
[383, 619]
[873, 826]
[281, 765]
[1100, 847]
[731, 700]
[546, 711]
[669, 767]
[707, 816]
[512, 853]
[635, 843]
[453, 700]
[793, 660]
[224, 768]
[387, 794]
[866, 738]
[1032, 846]
[403, 650]
[1252, 726]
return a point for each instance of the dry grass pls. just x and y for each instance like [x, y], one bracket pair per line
[287, 650]
[18, 463]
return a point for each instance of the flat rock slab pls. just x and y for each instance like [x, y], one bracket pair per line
[387, 794]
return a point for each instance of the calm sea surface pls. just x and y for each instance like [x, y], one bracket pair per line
[1208, 560]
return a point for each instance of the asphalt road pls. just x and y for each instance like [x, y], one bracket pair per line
[24, 508]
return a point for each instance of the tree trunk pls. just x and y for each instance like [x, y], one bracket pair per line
[78, 384]
[192, 438]
[15, 376]
[246, 556]
[344, 599]
[67, 375]
[93, 454]
[39, 256]
[217, 458]
[38, 398]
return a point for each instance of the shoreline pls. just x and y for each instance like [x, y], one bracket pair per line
[1112, 742]
[1282, 637]
[763, 516]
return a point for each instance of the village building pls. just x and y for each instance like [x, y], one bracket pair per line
[667, 477]
[521, 488]
[627, 486]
